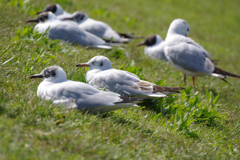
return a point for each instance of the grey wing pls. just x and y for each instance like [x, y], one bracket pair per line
[189, 57]
[83, 96]
[179, 39]
[100, 29]
[95, 27]
[69, 31]
[118, 81]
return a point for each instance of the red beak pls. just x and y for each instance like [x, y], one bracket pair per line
[82, 65]
[32, 20]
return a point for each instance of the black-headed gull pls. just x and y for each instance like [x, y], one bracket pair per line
[188, 56]
[68, 31]
[56, 87]
[102, 75]
[154, 47]
[56, 9]
[95, 27]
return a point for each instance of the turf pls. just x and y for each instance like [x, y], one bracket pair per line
[201, 123]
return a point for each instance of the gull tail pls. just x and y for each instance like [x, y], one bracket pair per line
[167, 90]
[129, 36]
[219, 73]
[224, 74]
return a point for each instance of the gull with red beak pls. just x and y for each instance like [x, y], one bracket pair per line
[68, 31]
[102, 75]
[189, 57]
[57, 88]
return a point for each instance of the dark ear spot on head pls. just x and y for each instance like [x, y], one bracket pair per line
[82, 17]
[49, 72]
[43, 17]
[101, 64]
[53, 73]
[184, 22]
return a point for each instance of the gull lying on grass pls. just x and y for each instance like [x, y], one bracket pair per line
[72, 94]
[188, 57]
[102, 75]
[68, 31]
[95, 27]
[154, 45]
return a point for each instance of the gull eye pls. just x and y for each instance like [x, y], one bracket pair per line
[101, 64]
[41, 19]
[93, 62]
[188, 29]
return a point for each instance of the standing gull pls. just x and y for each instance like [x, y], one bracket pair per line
[102, 75]
[68, 31]
[154, 45]
[189, 57]
[56, 87]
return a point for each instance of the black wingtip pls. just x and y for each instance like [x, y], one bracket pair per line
[129, 35]
[226, 81]
[133, 99]
[225, 73]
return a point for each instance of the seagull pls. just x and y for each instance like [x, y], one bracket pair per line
[56, 87]
[56, 9]
[102, 75]
[154, 47]
[189, 57]
[154, 44]
[95, 27]
[68, 31]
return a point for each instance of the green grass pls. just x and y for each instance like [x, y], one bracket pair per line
[201, 123]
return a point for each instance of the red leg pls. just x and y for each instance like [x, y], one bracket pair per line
[193, 79]
[185, 77]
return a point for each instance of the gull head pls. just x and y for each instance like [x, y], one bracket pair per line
[151, 40]
[97, 62]
[78, 17]
[43, 17]
[54, 8]
[179, 26]
[52, 74]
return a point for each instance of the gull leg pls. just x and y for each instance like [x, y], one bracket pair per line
[193, 79]
[185, 77]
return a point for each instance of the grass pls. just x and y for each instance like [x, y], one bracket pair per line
[201, 123]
